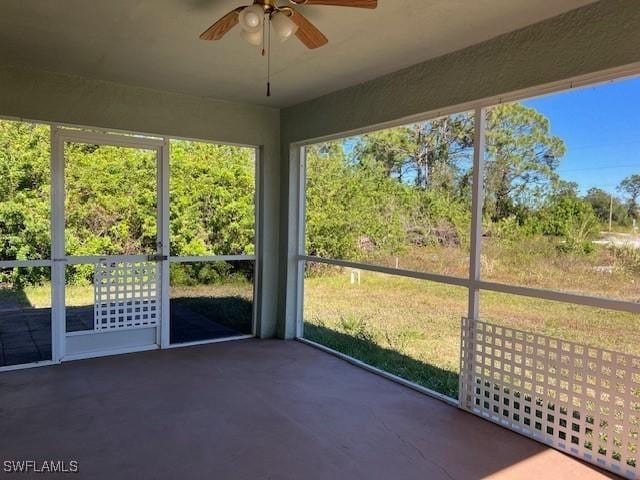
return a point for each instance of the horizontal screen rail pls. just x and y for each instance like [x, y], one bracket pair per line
[461, 282]
[25, 263]
[552, 295]
[112, 139]
[555, 296]
[80, 260]
[212, 258]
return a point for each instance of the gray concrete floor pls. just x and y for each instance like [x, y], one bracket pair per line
[249, 410]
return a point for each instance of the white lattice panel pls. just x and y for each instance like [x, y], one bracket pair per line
[579, 399]
[126, 295]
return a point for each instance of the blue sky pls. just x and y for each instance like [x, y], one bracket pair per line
[600, 126]
[601, 129]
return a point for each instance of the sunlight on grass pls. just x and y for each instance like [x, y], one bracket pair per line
[408, 327]
[39, 296]
[79, 295]
[411, 328]
[608, 329]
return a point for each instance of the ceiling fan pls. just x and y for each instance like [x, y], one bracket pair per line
[257, 19]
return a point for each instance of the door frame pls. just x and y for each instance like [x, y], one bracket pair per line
[59, 259]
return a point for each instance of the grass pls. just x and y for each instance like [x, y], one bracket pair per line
[419, 321]
[411, 328]
[229, 304]
[38, 296]
[535, 262]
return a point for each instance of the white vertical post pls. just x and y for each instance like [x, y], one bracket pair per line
[163, 242]
[58, 327]
[477, 202]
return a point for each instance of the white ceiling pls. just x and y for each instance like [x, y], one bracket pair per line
[154, 43]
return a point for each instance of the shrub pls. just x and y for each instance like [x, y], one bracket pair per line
[573, 220]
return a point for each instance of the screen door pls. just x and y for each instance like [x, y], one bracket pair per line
[108, 243]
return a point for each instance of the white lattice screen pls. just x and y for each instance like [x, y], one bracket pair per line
[579, 399]
[126, 295]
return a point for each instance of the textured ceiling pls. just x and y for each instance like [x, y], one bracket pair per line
[154, 43]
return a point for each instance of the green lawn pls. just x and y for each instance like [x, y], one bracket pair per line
[412, 328]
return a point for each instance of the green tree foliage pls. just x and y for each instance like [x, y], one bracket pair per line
[521, 161]
[572, 219]
[630, 186]
[212, 192]
[432, 155]
[24, 191]
[522, 158]
[377, 194]
[111, 201]
[604, 203]
[352, 207]
[430, 163]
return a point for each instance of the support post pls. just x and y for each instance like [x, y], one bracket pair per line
[477, 202]
[58, 327]
[163, 242]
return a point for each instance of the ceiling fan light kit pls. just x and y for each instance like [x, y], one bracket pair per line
[253, 38]
[257, 19]
[283, 25]
[251, 18]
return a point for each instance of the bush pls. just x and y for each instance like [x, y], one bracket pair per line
[573, 220]
[447, 218]
[210, 273]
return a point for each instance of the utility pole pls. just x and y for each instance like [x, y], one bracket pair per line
[610, 212]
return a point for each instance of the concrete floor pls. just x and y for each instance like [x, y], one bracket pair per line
[253, 409]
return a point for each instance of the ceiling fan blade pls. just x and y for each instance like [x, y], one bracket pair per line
[341, 3]
[222, 26]
[307, 32]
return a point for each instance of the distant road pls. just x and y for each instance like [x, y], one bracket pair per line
[619, 239]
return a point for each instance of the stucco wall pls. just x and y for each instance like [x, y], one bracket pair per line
[597, 37]
[45, 96]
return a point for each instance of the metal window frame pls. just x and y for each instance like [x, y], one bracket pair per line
[255, 258]
[473, 282]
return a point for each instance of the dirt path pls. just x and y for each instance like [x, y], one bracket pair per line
[620, 240]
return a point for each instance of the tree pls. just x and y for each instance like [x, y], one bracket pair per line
[353, 208]
[522, 158]
[430, 155]
[563, 188]
[521, 161]
[631, 187]
[111, 200]
[24, 191]
[604, 204]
